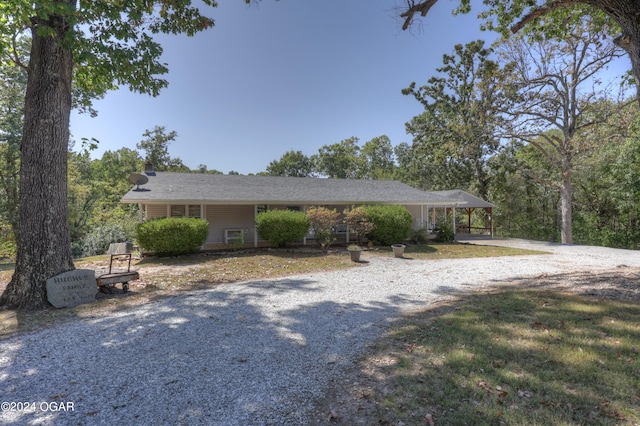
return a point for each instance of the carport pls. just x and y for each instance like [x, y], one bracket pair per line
[469, 204]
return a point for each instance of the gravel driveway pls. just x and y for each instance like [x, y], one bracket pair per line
[251, 353]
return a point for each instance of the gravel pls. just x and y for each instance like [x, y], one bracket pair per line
[252, 353]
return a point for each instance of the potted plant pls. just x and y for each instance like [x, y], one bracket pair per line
[398, 249]
[354, 252]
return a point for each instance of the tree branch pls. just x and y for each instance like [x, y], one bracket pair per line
[423, 8]
[543, 10]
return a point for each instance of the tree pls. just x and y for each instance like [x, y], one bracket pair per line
[99, 45]
[340, 160]
[377, 159]
[292, 163]
[550, 18]
[13, 83]
[606, 182]
[457, 132]
[527, 208]
[96, 216]
[555, 101]
[202, 168]
[156, 149]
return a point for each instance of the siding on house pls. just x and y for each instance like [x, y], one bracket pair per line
[222, 217]
[155, 210]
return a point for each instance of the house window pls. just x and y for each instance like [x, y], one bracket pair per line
[177, 211]
[232, 236]
[194, 210]
[293, 208]
[261, 208]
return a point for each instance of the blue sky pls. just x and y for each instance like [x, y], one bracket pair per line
[280, 76]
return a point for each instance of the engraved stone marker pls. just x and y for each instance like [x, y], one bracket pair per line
[72, 288]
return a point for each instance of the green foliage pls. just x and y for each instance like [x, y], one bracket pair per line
[455, 135]
[172, 236]
[391, 224]
[340, 160]
[13, 84]
[357, 219]
[156, 148]
[344, 160]
[117, 45]
[377, 159]
[419, 236]
[7, 248]
[292, 163]
[445, 232]
[323, 222]
[280, 227]
[98, 239]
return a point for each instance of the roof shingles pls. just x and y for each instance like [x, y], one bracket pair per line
[234, 189]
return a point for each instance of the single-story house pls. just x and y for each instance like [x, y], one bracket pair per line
[230, 203]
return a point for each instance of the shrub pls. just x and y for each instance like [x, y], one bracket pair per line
[173, 236]
[358, 221]
[282, 226]
[391, 224]
[445, 233]
[98, 239]
[323, 222]
[7, 249]
[419, 236]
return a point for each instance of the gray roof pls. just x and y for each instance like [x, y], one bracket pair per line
[471, 200]
[197, 188]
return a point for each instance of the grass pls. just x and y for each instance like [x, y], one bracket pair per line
[513, 357]
[456, 251]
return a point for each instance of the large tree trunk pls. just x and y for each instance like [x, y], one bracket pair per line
[44, 246]
[627, 14]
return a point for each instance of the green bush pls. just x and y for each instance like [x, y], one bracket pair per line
[173, 236]
[282, 226]
[391, 224]
[7, 249]
[98, 239]
[419, 236]
[445, 233]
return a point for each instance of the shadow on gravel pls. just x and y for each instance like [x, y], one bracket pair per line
[231, 355]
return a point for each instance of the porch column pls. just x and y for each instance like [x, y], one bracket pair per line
[255, 227]
[491, 220]
[453, 218]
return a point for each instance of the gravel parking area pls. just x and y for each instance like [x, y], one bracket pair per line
[251, 353]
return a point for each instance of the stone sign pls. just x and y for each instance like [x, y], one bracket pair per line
[72, 288]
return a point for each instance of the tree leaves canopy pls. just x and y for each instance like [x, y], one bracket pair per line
[111, 40]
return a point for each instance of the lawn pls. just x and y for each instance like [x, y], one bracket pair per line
[520, 355]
